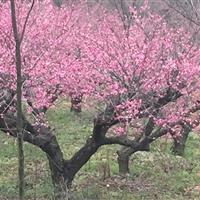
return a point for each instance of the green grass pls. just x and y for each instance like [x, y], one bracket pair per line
[153, 175]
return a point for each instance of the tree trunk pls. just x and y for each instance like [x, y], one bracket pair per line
[124, 155]
[56, 164]
[178, 147]
[76, 104]
[63, 172]
[19, 123]
[19, 102]
[61, 192]
[123, 160]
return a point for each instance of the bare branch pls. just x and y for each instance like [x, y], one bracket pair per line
[26, 21]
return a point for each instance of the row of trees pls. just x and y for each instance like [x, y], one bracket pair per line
[130, 67]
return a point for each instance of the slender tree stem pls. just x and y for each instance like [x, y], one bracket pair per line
[19, 102]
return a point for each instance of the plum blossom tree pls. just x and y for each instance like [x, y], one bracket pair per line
[188, 10]
[133, 73]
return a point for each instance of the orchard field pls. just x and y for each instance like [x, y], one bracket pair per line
[157, 174]
[99, 99]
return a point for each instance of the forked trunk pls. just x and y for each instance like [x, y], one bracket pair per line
[64, 171]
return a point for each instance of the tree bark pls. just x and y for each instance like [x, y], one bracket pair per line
[178, 147]
[57, 168]
[18, 40]
[76, 104]
[64, 171]
[123, 159]
[124, 156]
[19, 102]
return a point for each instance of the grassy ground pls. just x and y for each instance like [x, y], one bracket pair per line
[154, 175]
